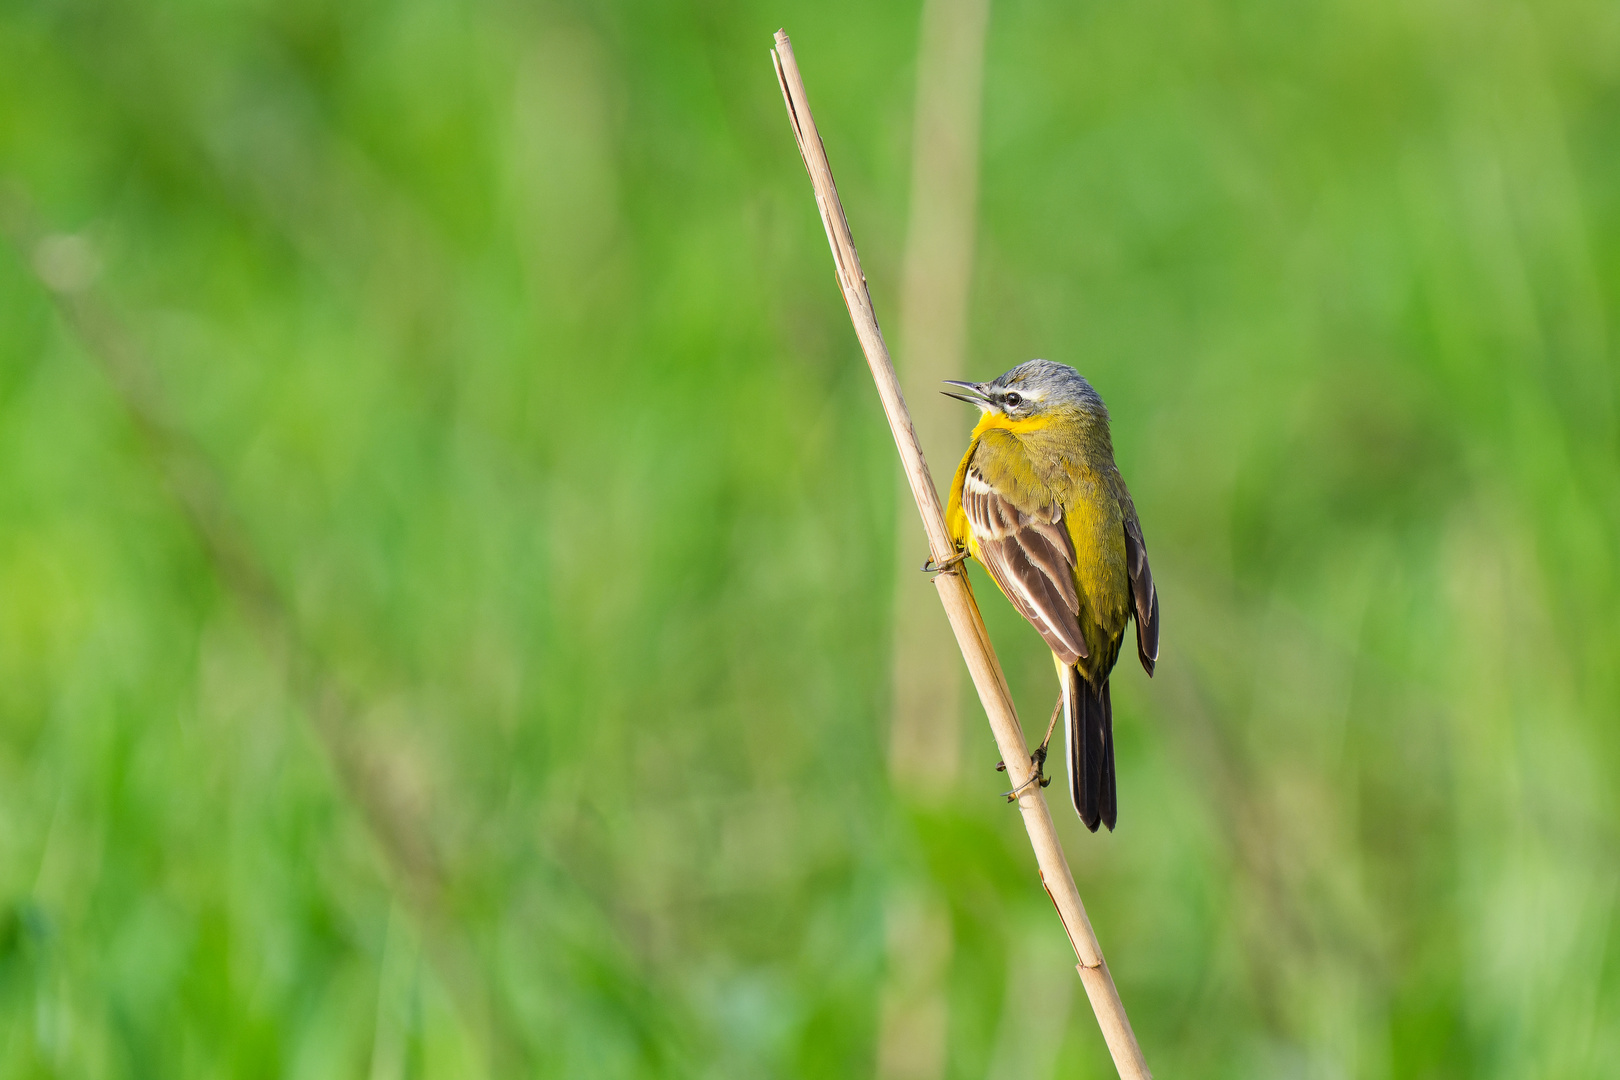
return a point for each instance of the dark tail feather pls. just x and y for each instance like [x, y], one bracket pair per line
[1089, 726]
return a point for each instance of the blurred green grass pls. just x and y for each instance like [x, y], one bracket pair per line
[511, 333]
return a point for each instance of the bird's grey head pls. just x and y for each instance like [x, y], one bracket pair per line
[1033, 388]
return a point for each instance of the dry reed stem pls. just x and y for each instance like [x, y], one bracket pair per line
[954, 592]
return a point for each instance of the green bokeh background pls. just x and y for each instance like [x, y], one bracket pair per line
[511, 335]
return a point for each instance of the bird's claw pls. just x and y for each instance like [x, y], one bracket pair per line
[949, 565]
[1038, 759]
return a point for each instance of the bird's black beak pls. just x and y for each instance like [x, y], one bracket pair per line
[976, 390]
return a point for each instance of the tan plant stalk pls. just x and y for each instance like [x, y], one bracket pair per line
[954, 591]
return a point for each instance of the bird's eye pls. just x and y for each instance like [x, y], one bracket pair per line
[1013, 400]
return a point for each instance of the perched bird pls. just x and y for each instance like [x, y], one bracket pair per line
[1038, 501]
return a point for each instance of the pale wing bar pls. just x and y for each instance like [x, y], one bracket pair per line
[1032, 558]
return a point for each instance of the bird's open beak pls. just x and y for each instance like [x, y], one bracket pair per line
[975, 393]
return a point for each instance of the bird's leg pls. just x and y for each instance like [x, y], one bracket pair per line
[931, 567]
[1051, 726]
[1038, 758]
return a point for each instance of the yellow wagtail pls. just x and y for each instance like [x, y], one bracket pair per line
[1039, 502]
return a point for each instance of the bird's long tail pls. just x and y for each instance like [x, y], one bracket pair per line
[1089, 726]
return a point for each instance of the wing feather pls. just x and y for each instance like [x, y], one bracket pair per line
[1031, 557]
[1143, 594]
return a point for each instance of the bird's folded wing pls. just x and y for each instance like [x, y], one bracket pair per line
[1143, 594]
[1031, 557]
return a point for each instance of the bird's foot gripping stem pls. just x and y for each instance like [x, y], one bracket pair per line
[1038, 759]
[1036, 778]
[946, 567]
